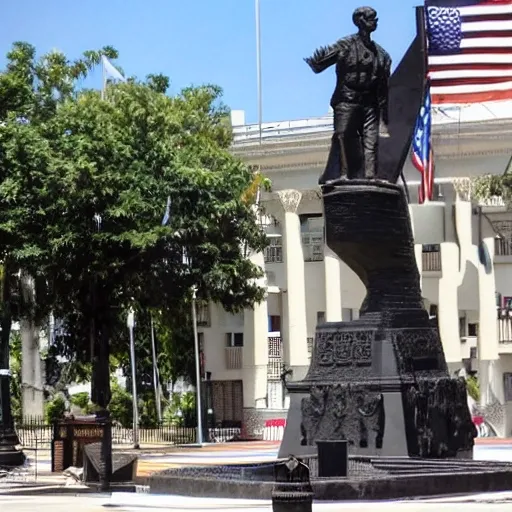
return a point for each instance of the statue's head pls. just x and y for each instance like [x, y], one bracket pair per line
[365, 19]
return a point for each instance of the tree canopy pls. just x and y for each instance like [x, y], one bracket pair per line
[84, 185]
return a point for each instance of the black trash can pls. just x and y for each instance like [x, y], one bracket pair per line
[332, 459]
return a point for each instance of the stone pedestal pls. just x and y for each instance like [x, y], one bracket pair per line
[381, 382]
[9, 455]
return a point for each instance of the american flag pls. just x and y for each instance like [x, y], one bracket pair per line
[422, 154]
[469, 50]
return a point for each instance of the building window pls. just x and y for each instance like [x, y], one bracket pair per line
[274, 251]
[462, 326]
[433, 310]
[472, 329]
[274, 323]
[203, 313]
[431, 258]
[320, 317]
[503, 246]
[234, 339]
[472, 353]
[312, 232]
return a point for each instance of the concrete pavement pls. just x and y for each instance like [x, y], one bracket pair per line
[501, 502]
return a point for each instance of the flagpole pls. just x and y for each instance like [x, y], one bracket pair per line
[103, 79]
[258, 67]
[156, 380]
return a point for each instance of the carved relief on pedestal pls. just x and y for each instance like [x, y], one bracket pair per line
[343, 412]
[350, 348]
[438, 421]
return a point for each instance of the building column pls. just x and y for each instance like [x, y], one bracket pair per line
[255, 361]
[294, 297]
[491, 381]
[448, 309]
[332, 272]
[255, 353]
[32, 393]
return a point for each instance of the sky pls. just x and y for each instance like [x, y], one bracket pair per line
[210, 41]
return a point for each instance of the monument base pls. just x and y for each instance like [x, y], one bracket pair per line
[10, 456]
[380, 382]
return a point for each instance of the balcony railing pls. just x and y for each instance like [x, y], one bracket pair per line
[275, 358]
[505, 325]
[503, 247]
[234, 358]
[431, 260]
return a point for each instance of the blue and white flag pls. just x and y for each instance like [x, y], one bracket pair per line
[110, 70]
[167, 213]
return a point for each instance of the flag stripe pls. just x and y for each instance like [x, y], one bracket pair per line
[472, 81]
[485, 35]
[486, 10]
[469, 73]
[471, 50]
[469, 66]
[477, 97]
[479, 87]
[486, 42]
[449, 60]
[486, 26]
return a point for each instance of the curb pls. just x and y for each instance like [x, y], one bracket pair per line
[47, 489]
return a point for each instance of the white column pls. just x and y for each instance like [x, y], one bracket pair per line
[332, 272]
[448, 310]
[491, 381]
[255, 352]
[487, 322]
[32, 395]
[294, 297]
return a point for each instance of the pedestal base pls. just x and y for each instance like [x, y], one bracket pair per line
[380, 382]
[10, 457]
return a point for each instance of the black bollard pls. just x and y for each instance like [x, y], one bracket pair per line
[292, 491]
[332, 459]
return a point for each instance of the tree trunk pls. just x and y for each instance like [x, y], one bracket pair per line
[32, 398]
[100, 395]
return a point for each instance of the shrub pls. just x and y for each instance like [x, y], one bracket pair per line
[55, 409]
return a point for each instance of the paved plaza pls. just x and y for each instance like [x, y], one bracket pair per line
[232, 453]
[91, 503]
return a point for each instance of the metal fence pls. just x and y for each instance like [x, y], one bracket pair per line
[37, 434]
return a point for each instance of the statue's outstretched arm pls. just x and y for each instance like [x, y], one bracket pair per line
[326, 56]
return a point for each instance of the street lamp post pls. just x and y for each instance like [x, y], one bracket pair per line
[198, 370]
[9, 455]
[130, 322]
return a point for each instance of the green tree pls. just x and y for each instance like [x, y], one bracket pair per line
[121, 406]
[82, 198]
[31, 89]
[81, 400]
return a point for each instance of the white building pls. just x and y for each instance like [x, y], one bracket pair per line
[244, 354]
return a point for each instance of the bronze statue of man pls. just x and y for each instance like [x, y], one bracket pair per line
[360, 100]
